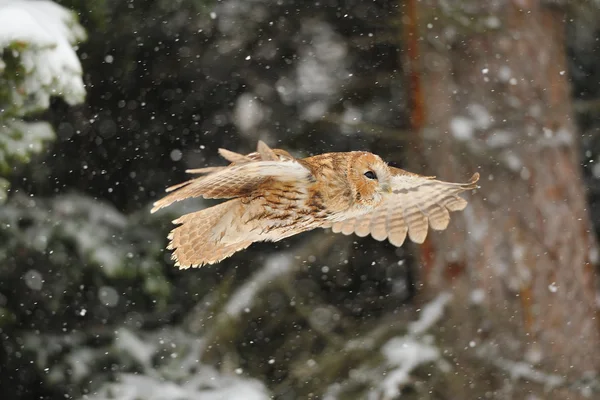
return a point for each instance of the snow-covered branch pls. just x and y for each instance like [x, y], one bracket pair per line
[37, 61]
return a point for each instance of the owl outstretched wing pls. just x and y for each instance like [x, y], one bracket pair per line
[240, 178]
[415, 203]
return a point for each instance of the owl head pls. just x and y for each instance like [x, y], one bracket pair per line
[369, 178]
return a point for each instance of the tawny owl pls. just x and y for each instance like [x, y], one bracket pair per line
[274, 196]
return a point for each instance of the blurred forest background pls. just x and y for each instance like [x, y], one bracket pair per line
[104, 104]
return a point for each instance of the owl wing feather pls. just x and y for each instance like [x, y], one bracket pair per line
[197, 239]
[266, 153]
[237, 158]
[238, 179]
[198, 171]
[234, 157]
[416, 202]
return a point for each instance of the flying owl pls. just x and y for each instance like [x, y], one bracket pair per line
[274, 195]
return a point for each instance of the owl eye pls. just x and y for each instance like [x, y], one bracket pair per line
[370, 175]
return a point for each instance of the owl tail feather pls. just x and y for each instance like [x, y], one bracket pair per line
[198, 239]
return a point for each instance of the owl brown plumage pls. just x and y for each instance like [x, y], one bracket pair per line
[274, 196]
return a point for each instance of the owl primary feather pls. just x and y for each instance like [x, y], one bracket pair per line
[273, 195]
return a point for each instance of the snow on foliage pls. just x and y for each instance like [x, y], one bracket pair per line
[180, 375]
[321, 68]
[206, 384]
[275, 266]
[158, 365]
[403, 357]
[39, 36]
[430, 314]
[80, 232]
[37, 61]
[404, 354]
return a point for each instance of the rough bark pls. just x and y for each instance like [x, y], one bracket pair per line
[496, 99]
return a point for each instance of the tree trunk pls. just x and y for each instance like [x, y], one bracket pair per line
[492, 95]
